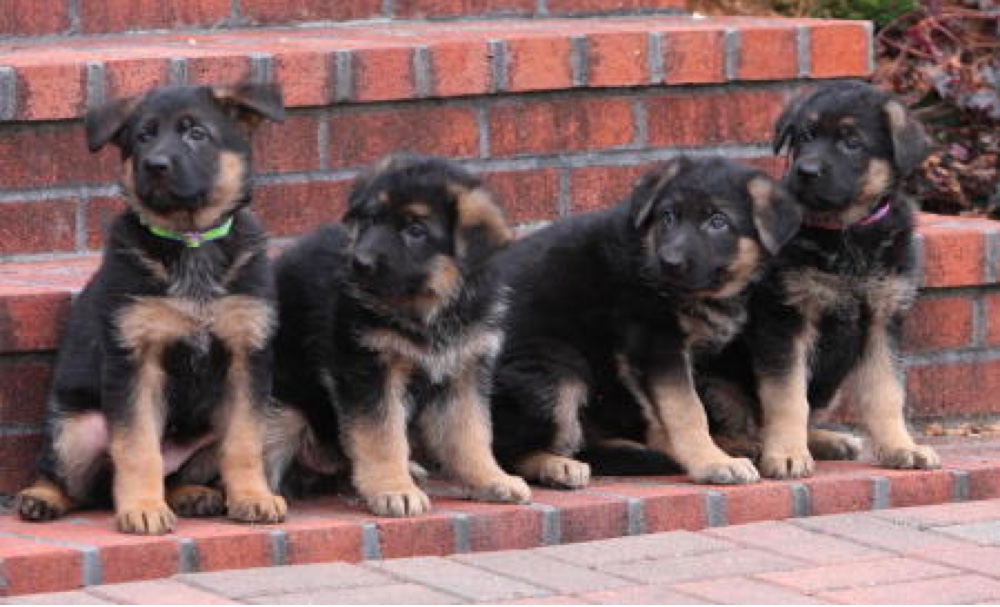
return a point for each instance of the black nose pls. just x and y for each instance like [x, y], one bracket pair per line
[157, 165]
[364, 262]
[809, 168]
[674, 262]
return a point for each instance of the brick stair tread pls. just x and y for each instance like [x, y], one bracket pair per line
[57, 79]
[85, 550]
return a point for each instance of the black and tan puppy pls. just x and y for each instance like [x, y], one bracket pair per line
[391, 322]
[164, 368]
[825, 321]
[611, 310]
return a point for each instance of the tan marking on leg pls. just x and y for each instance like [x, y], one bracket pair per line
[553, 470]
[785, 419]
[682, 433]
[196, 501]
[881, 398]
[79, 442]
[380, 453]
[458, 434]
[43, 501]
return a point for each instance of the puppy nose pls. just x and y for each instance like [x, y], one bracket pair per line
[809, 168]
[158, 165]
[364, 263]
[674, 262]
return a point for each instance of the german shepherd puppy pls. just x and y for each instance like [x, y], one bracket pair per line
[611, 310]
[825, 321]
[164, 368]
[391, 321]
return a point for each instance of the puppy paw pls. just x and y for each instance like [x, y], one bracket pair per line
[257, 508]
[732, 471]
[42, 503]
[564, 473]
[419, 473]
[916, 457]
[408, 502]
[196, 501]
[787, 463]
[834, 446]
[506, 489]
[146, 519]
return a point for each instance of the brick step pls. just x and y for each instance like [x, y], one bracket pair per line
[84, 550]
[549, 108]
[86, 17]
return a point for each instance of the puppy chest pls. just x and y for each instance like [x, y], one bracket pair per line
[440, 362]
[819, 294]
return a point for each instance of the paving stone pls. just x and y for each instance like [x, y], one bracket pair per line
[657, 545]
[879, 533]
[857, 574]
[744, 591]
[653, 594]
[702, 566]
[388, 594]
[277, 580]
[986, 532]
[457, 578]
[542, 571]
[981, 559]
[952, 590]
[158, 592]
[796, 542]
[944, 514]
[78, 597]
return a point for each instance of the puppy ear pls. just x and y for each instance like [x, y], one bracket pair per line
[909, 142]
[788, 122]
[105, 122]
[252, 102]
[480, 228]
[776, 214]
[650, 185]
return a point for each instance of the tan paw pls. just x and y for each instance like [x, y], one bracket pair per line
[42, 503]
[196, 501]
[146, 519]
[789, 462]
[564, 473]
[834, 446]
[256, 508]
[916, 457]
[506, 489]
[409, 502]
[732, 471]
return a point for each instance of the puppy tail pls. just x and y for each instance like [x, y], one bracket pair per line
[618, 457]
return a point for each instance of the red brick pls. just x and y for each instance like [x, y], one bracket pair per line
[24, 387]
[703, 120]
[101, 212]
[292, 11]
[460, 68]
[618, 59]
[28, 567]
[127, 15]
[42, 226]
[537, 64]
[32, 320]
[218, 69]
[952, 257]
[383, 74]
[768, 53]
[939, 323]
[991, 302]
[599, 187]
[22, 18]
[306, 76]
[664, 508]
[428, 535]
[984, 480]
[694, 57]
[918, 487]
[585, 516]
[17, 464]
[559, 126]
[408, 9]
[944, 389]
[526, 196]
[765, 501]
[564, 7]
[46, 157]
[497, 526]
[128, 77]
[290, 146]
[858, 574]
[836, 494]
[290, 209]
[318, 540]
[774, 166]
[358, 138]
[838, 50]
[51, 91]
[228, 545]
[955, 590]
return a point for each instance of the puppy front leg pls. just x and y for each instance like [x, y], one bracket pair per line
[785, 421]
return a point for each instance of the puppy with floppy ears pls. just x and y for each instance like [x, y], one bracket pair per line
[390, 322]
[610, 313]
[164, 369]
[826, 319]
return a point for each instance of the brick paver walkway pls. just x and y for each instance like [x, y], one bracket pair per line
[929, 554]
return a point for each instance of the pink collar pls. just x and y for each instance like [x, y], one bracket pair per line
[874, 217]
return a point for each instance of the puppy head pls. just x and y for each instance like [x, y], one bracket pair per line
[185, 149]
[708, 224]
[850, 143]
[419, 225]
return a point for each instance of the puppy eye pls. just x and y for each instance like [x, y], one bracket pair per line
[852, 142]
[197, 133]
[415, 231]
[717, 222]
[668, 219]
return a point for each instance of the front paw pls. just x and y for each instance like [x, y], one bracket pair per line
[406, 502]
[787, 462]
[155, 518]
[564, 473]
[919, 457]
[505, 489]
[731, 471]
[257, 508]
[196, 501]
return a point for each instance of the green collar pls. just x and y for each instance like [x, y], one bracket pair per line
[192, 240]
